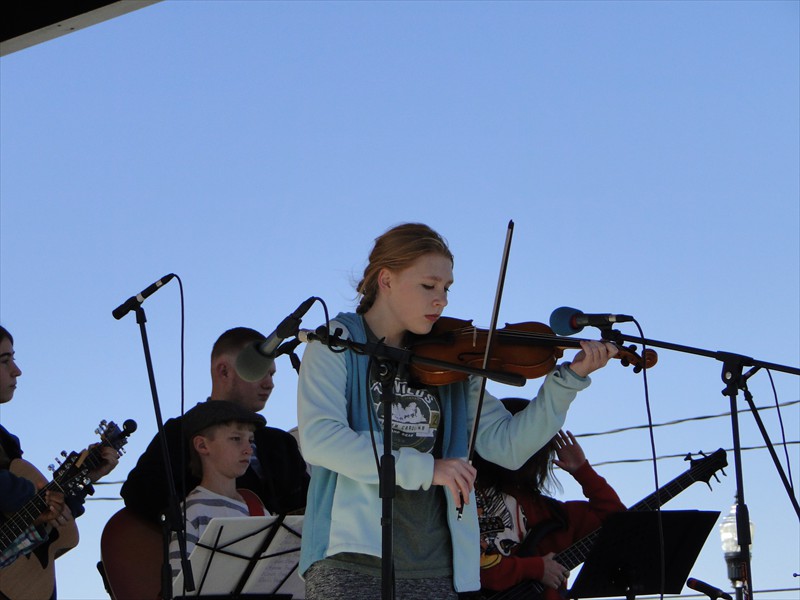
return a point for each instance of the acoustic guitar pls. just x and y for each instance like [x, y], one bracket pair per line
[701, 469]
[32, 576]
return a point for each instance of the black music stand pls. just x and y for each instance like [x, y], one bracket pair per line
[626, 559]
[247, 558]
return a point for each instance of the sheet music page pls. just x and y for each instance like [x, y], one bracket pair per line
[277, 571]
[226, 547]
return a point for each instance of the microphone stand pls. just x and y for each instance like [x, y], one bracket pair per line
[391, 361]
[734, 380]
[171, 520]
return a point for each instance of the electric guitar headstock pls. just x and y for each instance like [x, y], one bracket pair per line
[703, 469]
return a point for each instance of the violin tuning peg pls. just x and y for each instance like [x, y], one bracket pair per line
[637, 369]
[624, 362]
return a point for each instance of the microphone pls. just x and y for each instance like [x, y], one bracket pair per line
[707, 589]
[134, 301]
[567, 320]
[254, 361]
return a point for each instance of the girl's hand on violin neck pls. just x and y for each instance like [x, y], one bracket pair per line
[593, 356]
[457, 475]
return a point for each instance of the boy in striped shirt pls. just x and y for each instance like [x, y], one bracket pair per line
[220, 450]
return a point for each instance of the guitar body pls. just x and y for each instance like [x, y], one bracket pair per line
[33, 577]
[132, 552]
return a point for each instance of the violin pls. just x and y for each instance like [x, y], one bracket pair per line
[528, 349]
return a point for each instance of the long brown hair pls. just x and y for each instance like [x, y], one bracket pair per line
[395, 250]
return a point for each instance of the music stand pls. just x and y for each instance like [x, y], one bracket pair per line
[252, 558]
[626, 559]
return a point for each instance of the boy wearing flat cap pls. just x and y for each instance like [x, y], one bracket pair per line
[220, 435]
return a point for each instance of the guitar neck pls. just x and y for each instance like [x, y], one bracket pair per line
[577, 552]
[18, 523]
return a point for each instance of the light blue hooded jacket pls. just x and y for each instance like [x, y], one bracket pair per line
[343, 512]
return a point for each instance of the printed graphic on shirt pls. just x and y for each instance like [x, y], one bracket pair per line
[500, 530]
[416, 415]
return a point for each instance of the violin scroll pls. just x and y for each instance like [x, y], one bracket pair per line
[628, 356]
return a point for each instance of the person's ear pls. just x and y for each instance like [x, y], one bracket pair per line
[223, 369]
[200, 443]
[384, 279]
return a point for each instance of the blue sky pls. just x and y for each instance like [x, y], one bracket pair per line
[647, 152]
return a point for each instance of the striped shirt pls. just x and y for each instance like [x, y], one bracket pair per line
[202, 505]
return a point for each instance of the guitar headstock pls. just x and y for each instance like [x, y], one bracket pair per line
[111, 435]
[72, 475]
[702, 469]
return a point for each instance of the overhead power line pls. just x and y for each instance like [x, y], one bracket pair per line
[686, 420]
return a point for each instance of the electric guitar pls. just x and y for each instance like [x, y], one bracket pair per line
[701, 469]
[33, 575]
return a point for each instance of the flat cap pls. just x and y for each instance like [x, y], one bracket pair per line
[216, 412]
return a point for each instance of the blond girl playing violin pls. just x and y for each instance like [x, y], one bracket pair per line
[436, 554]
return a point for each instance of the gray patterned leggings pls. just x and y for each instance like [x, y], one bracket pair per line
[324, 582]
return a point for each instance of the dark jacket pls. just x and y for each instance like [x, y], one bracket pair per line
[14, 491]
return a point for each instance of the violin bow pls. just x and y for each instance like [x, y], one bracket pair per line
[489, 337]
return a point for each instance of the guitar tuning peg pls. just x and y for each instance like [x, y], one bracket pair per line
[51, 467]
[64, 453]
[688, 456]
[103, 423]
